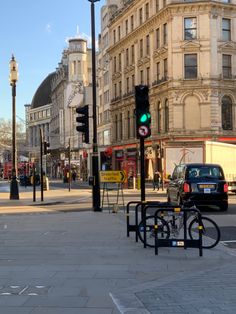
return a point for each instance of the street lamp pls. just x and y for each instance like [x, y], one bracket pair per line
[14, 191]
[95, 172]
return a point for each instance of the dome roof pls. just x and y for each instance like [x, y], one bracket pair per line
[42, 96]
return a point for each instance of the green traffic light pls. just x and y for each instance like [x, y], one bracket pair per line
[145, 117]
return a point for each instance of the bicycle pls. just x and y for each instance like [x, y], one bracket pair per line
[170, 226]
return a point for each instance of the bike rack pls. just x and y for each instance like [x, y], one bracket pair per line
[177, 243]
[134, 228]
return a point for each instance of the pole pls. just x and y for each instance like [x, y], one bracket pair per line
[41, 162]
[96, 183]
[69, 166]
[34, 184]
[142, 169]
[14, 191]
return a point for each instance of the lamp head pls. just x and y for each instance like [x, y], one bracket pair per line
[13, 77]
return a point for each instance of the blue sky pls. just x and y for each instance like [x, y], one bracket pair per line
[36, 32]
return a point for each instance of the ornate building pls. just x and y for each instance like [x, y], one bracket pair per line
[185, 52]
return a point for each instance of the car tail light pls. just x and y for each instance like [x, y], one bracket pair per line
[226, 187]
[186, 188]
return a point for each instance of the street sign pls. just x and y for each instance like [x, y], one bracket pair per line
[143, 131]
[113, 176]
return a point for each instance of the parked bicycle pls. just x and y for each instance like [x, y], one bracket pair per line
[170, 225]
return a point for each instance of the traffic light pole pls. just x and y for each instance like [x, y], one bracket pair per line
[95, 172]
[142, 169]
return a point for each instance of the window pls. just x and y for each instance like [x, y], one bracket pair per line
[127, 56]
[114, 36]
[128, 124]
[226, 66]
[118, 32]
[158, 38]
[140, 16]
[157, 6]
[148, 76]
[190, 66]
[120, 88]
[119, 62]
[116, 127]
[226, 113]
[159, 117]
[141, 77]
[147, 45]
[133, 81]
[190, 28]
[147, 10]
[141, 48]
[226, 29]
[127, 85]
[166, 116]
[164, 3]
[114, 64]
[126, 27]
[121, 126]
[132, 54]
[132, 22]
[165, 69]
[165, 34]
[158, 71]
[115, 90]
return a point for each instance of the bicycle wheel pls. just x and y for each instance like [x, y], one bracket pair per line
[210, 232]
[163, 230]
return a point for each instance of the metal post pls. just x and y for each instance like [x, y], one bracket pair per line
[96, 184]
[142, 169]
[69, 166]
[34, 184]
[41, 162]
[14, 190]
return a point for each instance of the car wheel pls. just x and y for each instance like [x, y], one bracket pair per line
[224, 207]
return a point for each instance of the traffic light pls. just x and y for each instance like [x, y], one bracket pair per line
[83, 119]
[46, 149]
[143, 116]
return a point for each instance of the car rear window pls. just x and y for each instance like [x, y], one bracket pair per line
[213, 172]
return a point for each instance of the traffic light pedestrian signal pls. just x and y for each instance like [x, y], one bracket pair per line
[143, 116]
[83, 119]
[46, 149]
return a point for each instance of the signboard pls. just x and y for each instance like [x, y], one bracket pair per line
[112, 176]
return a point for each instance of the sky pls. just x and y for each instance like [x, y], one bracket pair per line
[36, 32]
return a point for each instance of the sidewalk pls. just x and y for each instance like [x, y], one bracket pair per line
[83, 263]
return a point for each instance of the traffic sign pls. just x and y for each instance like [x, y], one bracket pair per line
[143, 130]
[113, 176]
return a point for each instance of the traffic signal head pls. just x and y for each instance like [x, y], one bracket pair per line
[46, 149]
[83, 119]
[143, 116]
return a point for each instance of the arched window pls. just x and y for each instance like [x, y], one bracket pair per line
[166, 117]
[226, 113]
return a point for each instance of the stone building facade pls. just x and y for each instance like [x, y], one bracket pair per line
[185, 52]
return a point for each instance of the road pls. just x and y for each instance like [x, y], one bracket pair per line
[225, 220]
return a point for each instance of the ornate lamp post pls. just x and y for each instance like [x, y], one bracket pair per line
[96, 185]
[14, 191]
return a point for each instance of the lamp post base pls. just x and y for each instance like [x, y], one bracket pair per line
[14, 190]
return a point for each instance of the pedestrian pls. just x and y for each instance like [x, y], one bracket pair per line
[156, 181]
[25, 181]
[73, 175]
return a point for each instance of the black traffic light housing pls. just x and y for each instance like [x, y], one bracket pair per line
[143, 116]
[83, 119]
[46, 149]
